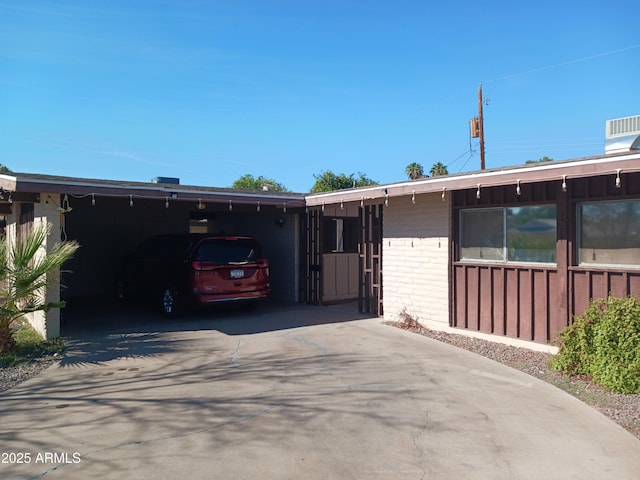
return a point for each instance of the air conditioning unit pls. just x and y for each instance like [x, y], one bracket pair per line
[169, 180]
[622, 135]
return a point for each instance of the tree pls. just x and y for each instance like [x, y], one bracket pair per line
[250, 182]
[4, 169]
[327, 181]
[24, 276]
[543, 159]
[439, 169]
[414, 170]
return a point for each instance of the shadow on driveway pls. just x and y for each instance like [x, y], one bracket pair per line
[97, 331]
[294, 391]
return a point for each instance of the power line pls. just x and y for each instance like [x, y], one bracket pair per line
[568, 62]
[545, 145]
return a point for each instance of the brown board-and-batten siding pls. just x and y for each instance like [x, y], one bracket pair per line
[503, 300]
[532, 301]
[589, 282]
[509, 299]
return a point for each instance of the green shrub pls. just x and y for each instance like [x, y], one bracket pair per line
[604, 343]
[29, 345]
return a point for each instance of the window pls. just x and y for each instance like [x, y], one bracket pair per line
[228, 251]
[482, 234]
[531, 234]
[609, 233]
[514, 234]
[340, 235]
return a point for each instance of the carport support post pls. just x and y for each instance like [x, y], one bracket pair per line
[46, 214]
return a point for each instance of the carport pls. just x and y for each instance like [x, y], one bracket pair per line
[109, 218]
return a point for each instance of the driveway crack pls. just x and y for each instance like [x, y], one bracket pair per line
[234, 355]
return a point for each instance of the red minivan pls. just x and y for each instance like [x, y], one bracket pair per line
[180, 271]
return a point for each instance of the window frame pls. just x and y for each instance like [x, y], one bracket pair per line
[505, 238]
[461, 230]
[578, 236]
[347, 226]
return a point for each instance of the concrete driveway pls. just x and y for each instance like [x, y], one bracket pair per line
[294, 393]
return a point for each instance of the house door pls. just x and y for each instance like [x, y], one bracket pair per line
[370, 251]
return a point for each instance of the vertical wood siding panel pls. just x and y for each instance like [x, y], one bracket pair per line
[455, 310]
[599, 285]
[512, 294]
[634, 284]
[473, 290]
[617, 284]
[498, 324]
[525, 300]
[485, 296]
[557, 317]
[581, 292]
[541, 297]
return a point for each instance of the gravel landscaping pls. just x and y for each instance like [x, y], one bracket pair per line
[12, 376]
[623, 409]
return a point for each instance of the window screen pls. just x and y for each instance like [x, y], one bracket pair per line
[531, 234]
[482, 234]
[514, 234]
[609, 233]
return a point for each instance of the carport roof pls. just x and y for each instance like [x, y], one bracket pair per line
[28, 183]
[528, 173]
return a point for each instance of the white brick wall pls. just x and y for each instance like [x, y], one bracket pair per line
[415, 253]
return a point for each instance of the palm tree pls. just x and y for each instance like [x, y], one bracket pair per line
[414, 170]
[24, 276]
[439, 169]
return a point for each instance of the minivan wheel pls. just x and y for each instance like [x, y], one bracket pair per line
[170, 307]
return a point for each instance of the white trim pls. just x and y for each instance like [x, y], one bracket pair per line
[165, 188]
[603, 165]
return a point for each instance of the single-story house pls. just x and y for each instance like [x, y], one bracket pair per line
[510, 253]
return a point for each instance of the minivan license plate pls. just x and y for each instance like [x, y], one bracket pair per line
[237, 273]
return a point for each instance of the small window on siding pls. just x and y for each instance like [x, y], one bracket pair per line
[609, 233]
[340, 235]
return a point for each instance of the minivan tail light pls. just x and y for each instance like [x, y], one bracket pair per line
[203, 266]
[208, 266]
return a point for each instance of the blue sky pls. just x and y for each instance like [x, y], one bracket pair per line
[210, 90]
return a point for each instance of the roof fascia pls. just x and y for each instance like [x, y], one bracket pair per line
[140, 190]
[539, 172]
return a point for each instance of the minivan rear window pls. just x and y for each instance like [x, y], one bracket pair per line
[224, 252]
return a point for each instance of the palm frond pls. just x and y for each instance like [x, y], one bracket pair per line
[25, 271]
[25, 248]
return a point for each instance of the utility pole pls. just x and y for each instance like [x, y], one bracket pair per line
[481, 127]
[477, 127]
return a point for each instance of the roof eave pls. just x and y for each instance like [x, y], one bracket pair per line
[37, 184]
[530, 173]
